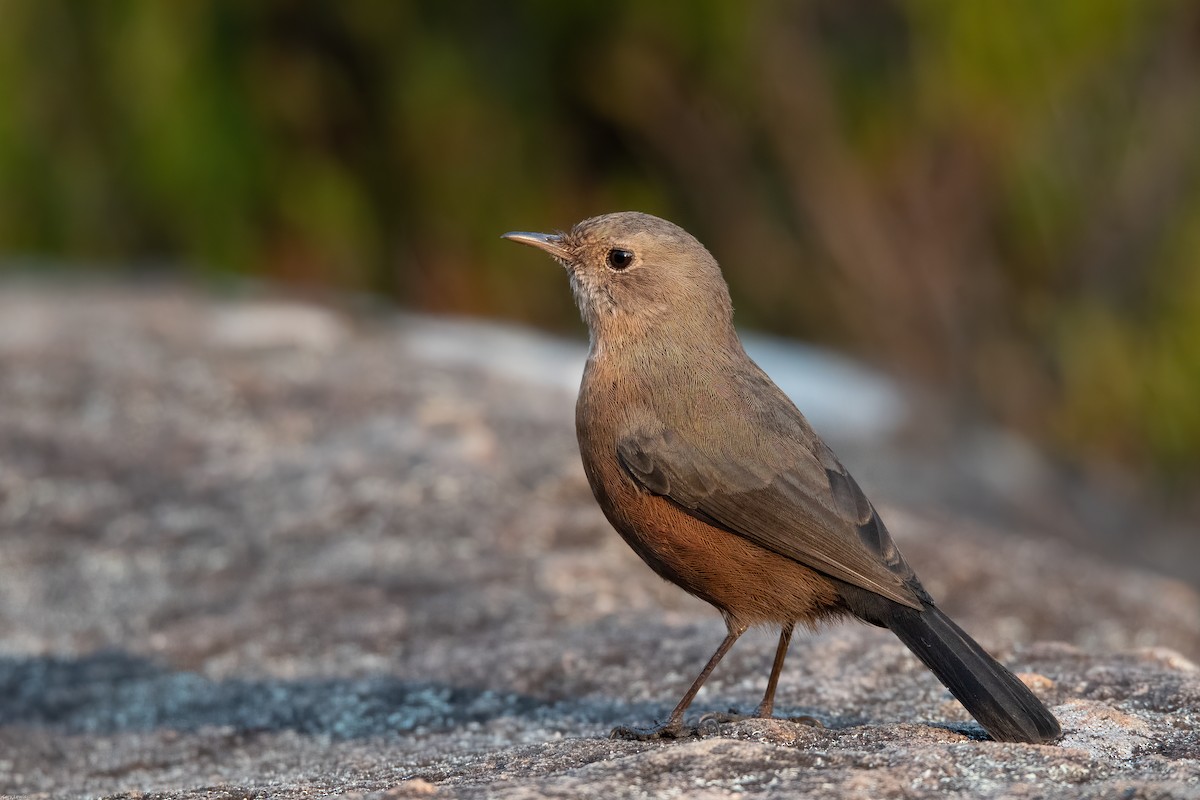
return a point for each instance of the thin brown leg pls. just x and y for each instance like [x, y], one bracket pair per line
[673, 727]
[768, 702]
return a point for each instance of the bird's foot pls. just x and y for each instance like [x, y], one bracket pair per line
[805, 719]
[671, 729]
[710, 723]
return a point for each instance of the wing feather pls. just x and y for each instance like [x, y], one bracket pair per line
[810, 510]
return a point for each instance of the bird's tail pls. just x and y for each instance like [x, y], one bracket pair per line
[1001, 703]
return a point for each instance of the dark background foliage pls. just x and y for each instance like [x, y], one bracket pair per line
[1001, 199]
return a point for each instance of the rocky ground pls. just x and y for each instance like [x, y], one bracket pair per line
[256, 549]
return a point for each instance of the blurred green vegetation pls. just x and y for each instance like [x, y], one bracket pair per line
[1002, 198]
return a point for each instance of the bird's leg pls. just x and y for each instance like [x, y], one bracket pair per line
[768, 702]
[767, 706]
[673, 727]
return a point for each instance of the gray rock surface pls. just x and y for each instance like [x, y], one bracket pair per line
[254, 549]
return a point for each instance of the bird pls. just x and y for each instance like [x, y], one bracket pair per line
[718, 482]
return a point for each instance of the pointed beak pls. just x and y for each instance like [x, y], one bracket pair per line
[551, 243]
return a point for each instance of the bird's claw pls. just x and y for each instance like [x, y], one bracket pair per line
[805, 719]
[669, 730]
[722, 717]
[710, 721]
[709, 725]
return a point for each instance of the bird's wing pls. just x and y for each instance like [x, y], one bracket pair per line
[803, 505]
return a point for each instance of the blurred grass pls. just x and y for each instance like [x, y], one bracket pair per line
[1002, 198]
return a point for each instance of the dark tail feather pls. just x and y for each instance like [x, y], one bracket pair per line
[995, 697]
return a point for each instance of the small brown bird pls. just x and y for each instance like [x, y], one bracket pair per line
[712, 475]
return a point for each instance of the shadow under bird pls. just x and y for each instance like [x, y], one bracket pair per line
[713, 476]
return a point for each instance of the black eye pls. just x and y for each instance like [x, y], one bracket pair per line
[619, 259]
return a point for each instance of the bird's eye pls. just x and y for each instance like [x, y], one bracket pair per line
[619, 259]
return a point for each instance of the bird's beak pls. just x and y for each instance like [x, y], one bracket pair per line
[551, 243]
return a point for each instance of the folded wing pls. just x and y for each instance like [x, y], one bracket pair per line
[801, 504]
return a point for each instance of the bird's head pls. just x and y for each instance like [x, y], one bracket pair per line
[634, 274]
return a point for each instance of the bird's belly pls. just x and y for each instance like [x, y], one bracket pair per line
[746, 582]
